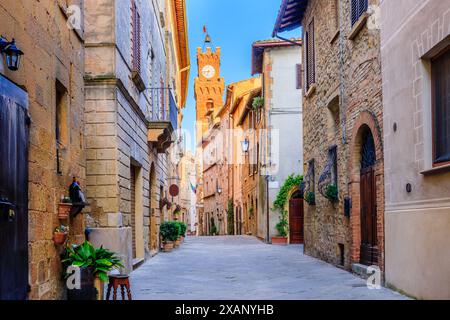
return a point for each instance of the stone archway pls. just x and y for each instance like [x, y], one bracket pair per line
[366, 126]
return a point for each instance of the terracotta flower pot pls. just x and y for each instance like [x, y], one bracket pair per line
[177, 243]
[59, 238]
[280, 241]
[168, 246]
[64, 210]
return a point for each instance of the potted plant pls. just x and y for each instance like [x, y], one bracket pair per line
[94, 264]
[60, 235]
[183, 231]
[332, 193]
[258, 102]
[214, 231]
[64, 208]
[310, 198]
[282, 228]
[168, 234]
[177, 233]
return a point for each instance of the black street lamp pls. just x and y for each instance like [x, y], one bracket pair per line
[11, 52]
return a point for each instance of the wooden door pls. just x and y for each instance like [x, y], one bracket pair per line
[369, 238]
[14, 123]
[296, 222]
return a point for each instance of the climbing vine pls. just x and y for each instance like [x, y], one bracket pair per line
[282, 197]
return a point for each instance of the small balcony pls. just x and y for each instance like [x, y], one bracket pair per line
[163, 119]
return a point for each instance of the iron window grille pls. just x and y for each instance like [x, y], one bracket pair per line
[329, 174]
[358, 8]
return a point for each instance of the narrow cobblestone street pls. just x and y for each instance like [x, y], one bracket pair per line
[243, 268]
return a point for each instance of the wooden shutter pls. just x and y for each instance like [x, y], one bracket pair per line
[136, 37]
[299, 75]
[310, 56]
[358, 8]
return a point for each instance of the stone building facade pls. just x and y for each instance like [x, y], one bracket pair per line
[50, 78]
[281, 141]
[132, 110]
[343, 130]
[417, 214]
[209, 89]
[187, 190]
[250, 122]
[237, 99]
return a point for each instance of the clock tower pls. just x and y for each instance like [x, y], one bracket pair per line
[209, 89]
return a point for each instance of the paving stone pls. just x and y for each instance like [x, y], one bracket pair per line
[243, 268]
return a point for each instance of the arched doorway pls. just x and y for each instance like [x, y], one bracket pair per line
[296, 219]
[369, 232]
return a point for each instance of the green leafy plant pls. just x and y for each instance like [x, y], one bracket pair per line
[177, 231]
[332, 193]
[251, 212]
[214, 231]
[66, 200]
[282, 197]
[183, 230]
[230, 217]
[258, 102]
[283, 225]
[99, 260]
[169, 231]
[310, 198]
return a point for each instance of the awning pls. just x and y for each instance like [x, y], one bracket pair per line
[290, 15]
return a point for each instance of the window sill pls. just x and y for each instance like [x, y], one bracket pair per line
[335, 36]
[311, 90]
[436, 170]
[361, 23]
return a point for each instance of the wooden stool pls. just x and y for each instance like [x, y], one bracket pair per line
[119, 280]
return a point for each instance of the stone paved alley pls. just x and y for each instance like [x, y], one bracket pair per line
[243, 268]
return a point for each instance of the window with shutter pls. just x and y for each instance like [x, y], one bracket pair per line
[135, 37]
[440, 73]
[310, 56]
[358, 8]
[299, 75]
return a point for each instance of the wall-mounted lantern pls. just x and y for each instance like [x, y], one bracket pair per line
[12, 53]
[245, 145]
[219, 190]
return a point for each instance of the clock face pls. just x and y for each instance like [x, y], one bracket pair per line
[208, 71]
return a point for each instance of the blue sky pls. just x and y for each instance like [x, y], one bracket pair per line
[233, 25]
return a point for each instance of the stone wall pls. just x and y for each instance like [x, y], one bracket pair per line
[53, 53]
[348, 76]
[116, 132]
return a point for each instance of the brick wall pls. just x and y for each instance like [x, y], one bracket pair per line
[348, 74]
